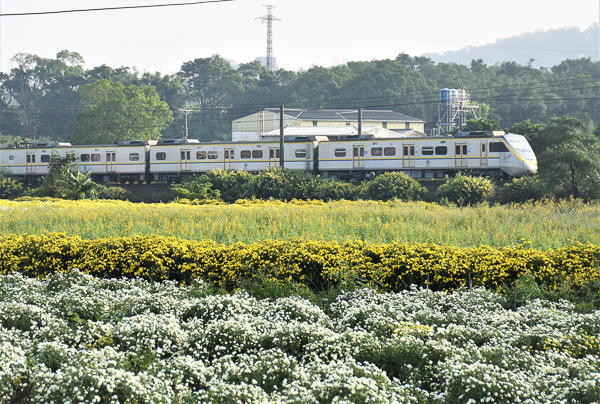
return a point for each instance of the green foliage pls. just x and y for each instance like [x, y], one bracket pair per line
[64, 180]
[53, 182]
[281, 183]
[390, 186]
[482, 124]
[523, 189]
[569, 158]
[194, 188]
[334, 190]
[9, 187]
[75, 184]
[232, 185]
[112, 193]
[115, 112]
[465, 191]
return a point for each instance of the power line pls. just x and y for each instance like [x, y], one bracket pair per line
[113, 8]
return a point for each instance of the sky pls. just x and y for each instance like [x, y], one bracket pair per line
[308, 32]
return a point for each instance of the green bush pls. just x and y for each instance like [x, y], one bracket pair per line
[10, 188]
[115, 193]
[465, 191]
[333, 190]
[523, 189]
[281, 183]
[390, 186]
[194, 188]
[232, 185]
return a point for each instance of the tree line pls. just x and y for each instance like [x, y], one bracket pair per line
[57, 99]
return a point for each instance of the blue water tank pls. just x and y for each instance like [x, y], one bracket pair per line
[444, 95]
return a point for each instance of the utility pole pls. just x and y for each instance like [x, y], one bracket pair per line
[360, 121]
[281, 132]
[269, 18]
[185, 125]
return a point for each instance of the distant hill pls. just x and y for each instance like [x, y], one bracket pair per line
[548, 48]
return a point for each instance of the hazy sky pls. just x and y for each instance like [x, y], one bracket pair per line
[311, 32]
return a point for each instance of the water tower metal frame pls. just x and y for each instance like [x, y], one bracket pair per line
[454, 109]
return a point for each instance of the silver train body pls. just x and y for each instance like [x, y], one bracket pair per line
[356, 157]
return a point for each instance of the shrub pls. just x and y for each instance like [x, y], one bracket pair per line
[231, 184]
[465, 191]
[523, 189]
[390, 186]
[281, 183]
[10, 188]
[114, 193]
[194, 188]
[334, 190]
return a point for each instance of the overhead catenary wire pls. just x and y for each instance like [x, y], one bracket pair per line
[112, 8]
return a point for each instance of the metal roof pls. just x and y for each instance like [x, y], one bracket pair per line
[345, 114]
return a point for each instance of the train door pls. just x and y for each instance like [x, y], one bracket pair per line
[274, 157]
[30, 163]
[111, 161]
[229, 158]
[483, 149]
[185, 159]
[461, 158]
[408, 155]
[358, 156]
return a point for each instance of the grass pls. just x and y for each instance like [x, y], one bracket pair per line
[544, 225]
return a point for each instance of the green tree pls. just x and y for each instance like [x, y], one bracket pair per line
[115, 112]
[482, 124]
[64, 180]
[39, 98]
[569, 159]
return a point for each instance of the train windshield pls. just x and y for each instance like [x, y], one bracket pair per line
[520, 145]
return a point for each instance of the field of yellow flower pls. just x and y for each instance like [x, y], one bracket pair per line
[544, 225]
[313, 264]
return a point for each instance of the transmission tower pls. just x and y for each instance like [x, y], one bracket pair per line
[269, 18]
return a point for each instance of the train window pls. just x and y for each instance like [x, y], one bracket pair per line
[300, 153]
[161, 156]
[340, 152]
[464, 150]
[274, 153]
[245, 154]
[213, 155]
[409, 150]
[457, 150]
[483, 147]
[201, 155]
[134, 157]
[427, 151]
[441, 150]
[257, 154]
[84, 157]
[45, 158]
[376, 151]
[497, 147]
[96, 157]
[389, 151]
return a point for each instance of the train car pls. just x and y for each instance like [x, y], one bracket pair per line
[474, 153]
[177, 159]
[123, 162]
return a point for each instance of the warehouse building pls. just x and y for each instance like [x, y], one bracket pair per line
[261, 125]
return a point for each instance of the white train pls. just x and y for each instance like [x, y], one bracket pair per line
[353, 157]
